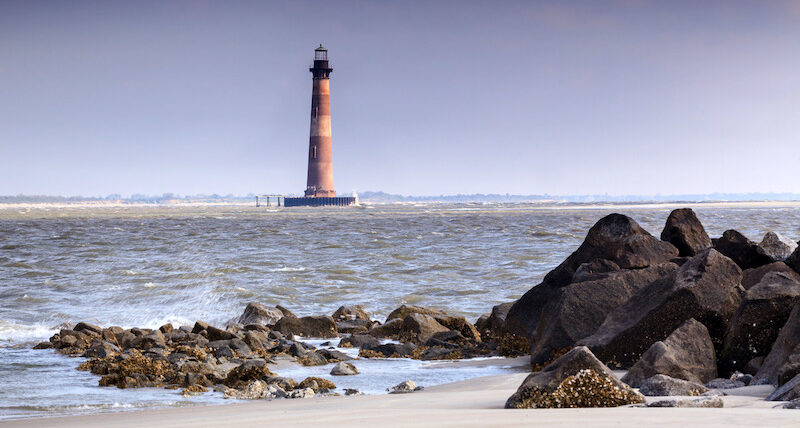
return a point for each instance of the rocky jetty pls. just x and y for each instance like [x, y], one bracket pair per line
[677, 312]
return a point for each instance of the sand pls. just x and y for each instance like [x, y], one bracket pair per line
[476, 402]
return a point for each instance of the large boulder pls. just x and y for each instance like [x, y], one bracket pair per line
[746, 253]
[785, 352]
[686, 354]
[578, 309]
[576, 379]
[777, 246]
[685, 232]
[706, 288]
[616, 239]
[256, 313]
[459, 324]
[759, 319]
[313, 326]
[751, 277]
[662, 385]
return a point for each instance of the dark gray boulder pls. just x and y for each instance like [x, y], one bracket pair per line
[312, 326]
[615, 238]
[662, 385]
[759, 319]
[576, 379]
[686, 354]
[706, 288]
[777, 246]
[746, 253]
[785, 352]
[751, 277]
[685, 232]
[494, 323]
[700, 402]
[724, 383]
[360, 341]
[394, 349]
[578, 309]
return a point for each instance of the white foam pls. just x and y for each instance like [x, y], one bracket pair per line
[11, 331]
[288, 269]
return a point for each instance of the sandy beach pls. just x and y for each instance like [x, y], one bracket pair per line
[476, 402]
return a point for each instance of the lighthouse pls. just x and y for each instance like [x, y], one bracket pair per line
[320, 152]
[319, 182]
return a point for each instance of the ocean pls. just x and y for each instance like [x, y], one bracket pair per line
[145, 266]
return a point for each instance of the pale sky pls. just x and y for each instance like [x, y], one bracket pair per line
[427, 98]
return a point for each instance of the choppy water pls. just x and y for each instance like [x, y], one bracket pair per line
[144, 267]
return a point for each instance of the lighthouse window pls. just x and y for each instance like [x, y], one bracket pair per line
[314, 154]
[315, 111]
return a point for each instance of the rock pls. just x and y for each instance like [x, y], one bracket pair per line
[685, 232]
[199, 326]
[359, 341]
[389, 329]
[686, 354]
[594, 270]
[256, 340]
[751, 277]
[333, 355]
[495, 322]
[794, 404]
[101, 350]
[166, 328]
[741, 377]
[746, 253]
[576, 379]
[793, 261]
[615, 238]
[256, 313]
[757, 322]
[149, 340]
[418, 328]
[705, 402]
[578, 309]
[312, 326]
[286, 312]
[44, 345]
[784, 353]
[661, 385]
[352, 391]
[722, 383]
[787, 392]
[344, 369]
[393, 350]
[353, 326]
[85, 326]
[404, 388]
[777, 246]
[302, 393]
[403, 311]
[351, 312]
[215, 333]
[312, 359]
[257, 389]
[317, 384]
[705, 288]
[248, 371]
[461, 325]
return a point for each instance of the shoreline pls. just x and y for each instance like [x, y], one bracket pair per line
[473, 402]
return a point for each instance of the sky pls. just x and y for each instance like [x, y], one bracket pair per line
[427, 98]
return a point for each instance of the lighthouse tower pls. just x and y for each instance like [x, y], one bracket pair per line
[320, 153]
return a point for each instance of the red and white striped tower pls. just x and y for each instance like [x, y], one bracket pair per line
[320, 152]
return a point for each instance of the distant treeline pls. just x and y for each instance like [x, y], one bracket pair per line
[383, 197]
[496, 197]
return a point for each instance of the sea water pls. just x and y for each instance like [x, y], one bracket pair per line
[146, 266]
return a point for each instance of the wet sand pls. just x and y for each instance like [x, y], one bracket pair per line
[476, 402]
